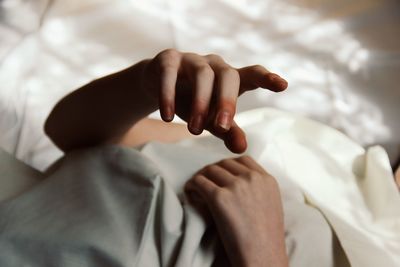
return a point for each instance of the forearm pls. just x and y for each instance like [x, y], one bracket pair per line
[154, 130]
[201, 90]
[100, 111]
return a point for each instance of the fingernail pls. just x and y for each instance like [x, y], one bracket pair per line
[282, 83]
[278, 82]
[196, 124]
[223, 120]
[274, 77]
[168, 114]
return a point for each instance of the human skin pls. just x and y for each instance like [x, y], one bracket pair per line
[202, 90]
[245, 203]
[147, 130]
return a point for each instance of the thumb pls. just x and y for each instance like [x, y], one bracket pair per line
[257, 76]
[234, 139]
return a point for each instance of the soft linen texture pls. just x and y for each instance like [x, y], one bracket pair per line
[108, 206]
[353, 188]
[115, 206]
[341, 58]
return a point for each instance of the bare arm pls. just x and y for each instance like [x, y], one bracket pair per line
[100, 111]
[202, 90]
[148, 130]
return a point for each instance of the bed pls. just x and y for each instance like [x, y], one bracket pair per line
[341, 59]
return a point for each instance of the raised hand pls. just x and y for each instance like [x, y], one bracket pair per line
[203, 91]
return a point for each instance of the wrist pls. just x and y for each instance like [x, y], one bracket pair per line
[145, 84]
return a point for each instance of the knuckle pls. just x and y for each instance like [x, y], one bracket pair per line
[219, 196]
[242, 159]
[271, 180]
[168, 58]
[231, 72]
[245, 158]
[205, 69]
[214, 57]
[227, 105]
[211, 169]
[170, 53]
[168, 66]
[224, 162]
[258, 68]
[197, 178]
[253, 175]
[201, 105]
[206, 169]
[202, 170]
[239, 184]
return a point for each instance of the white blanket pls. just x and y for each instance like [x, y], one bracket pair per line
[110, 204]
[354, 188]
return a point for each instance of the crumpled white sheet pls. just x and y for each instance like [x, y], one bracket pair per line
[352, 187]
[341, 59]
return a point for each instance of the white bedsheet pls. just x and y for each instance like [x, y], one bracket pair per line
[341, 58]
[352, 187]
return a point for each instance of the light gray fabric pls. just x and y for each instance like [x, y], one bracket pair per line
[15, 176]
[109, 206]
[101, 207]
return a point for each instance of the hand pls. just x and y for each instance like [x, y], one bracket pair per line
[203, 91]
[245, 203]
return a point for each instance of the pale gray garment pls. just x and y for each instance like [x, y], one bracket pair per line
[15, 176]
[109, 206]
[101, 207]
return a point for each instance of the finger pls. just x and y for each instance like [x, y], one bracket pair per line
[200, 197]
[218, 175]
[256, 76]
[233, 166]
[203, 186]
[192, 195]
[167, 93]
[227, 91]
[234, 139]
[169, 61]
[250, 163]
[202, 75]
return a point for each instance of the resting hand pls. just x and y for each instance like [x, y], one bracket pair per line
[203, 91]
[245, 203]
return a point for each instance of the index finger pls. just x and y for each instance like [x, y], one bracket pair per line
[253, 77]
[250, 163]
